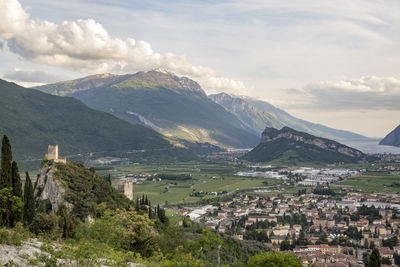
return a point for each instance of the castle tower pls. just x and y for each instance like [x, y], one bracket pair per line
[125, 186]
[52, 154]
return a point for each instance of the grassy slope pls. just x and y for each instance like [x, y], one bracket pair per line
[169, 108]
[33, 120]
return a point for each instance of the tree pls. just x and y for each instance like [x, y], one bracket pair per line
[29, 201]
[6, 158]
[302, 240]
[10, 187]
[65, 222]
[396, 259]
[16, 180]
[375, 259]
[273, 259]
[285, 245]
[9, 205]
[122, 229]
[15, 214]
[386, 261]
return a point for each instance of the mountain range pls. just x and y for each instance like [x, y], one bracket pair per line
[392, 138]
[258, 114]
[33, 120]
[288, 146]
[179, 108]
[175, 106]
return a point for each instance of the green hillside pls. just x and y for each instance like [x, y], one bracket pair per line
[33, 120]
[75, 179]
[293, 147]
[174, 106]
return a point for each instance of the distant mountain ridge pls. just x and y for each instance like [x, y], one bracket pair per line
[258, 114]
[392, 138]
[256, 120]
[290, 146]
[179, 108]
[176, 106]
[33, 120]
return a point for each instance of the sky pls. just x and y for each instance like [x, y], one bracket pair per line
[331, 62]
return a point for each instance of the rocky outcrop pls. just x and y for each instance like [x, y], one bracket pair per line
[293, 147]
[271, 134]
[50, 190]
[32, 253]
[20, 255]
[392, 139]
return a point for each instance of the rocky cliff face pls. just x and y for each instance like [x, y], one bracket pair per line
[49, 190]
[293, 147]
[392, 139]
[254, 119]
[270, 135]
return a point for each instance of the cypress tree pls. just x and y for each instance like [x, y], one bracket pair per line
[16, 180]
[375, 259]
[29, 201]
[65, 222]
[6, 158]
[15, 213]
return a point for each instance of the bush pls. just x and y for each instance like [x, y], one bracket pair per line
[123, 230]
[45, 224]
[273, 259]
[14, 236]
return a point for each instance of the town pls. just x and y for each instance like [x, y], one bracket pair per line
[321, 228]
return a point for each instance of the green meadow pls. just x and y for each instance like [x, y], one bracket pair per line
[206, 177]
[375, 182]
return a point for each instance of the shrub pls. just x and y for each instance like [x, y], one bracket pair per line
[45, 224]
[273, 259]
[124, 230]
[14, 236]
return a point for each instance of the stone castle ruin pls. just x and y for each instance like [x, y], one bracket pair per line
[125, 186]
[52, 154]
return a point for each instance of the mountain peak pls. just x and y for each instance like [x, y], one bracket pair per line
[392, 139]
[165, 78]
[165, 71]
[99, 76]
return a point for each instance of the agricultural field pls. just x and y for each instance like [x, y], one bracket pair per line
[206, 177]
[375, 182]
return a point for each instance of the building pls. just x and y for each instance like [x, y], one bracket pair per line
[52, 154]
[125, 186]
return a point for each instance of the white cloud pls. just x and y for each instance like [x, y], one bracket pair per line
[32, 76]
[365, 93]
[85, 46]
